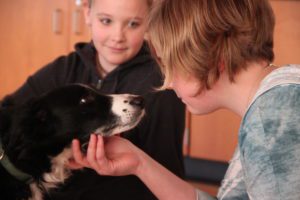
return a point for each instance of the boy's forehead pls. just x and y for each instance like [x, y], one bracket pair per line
[137, 3]
[130, 8]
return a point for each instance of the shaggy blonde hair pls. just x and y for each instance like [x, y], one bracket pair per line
[197, 37]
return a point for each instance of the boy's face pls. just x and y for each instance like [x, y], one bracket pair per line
[117, 28]
[187, 89]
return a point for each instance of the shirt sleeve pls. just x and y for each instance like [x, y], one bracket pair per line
[204, 196]
[48, 77]
[270, 145]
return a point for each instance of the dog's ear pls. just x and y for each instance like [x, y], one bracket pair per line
[42, 115]
[38, 110]
[39, 122]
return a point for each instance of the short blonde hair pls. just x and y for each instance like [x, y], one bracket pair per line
[195, 37]
[150, 2]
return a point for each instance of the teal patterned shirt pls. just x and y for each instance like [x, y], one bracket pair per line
[266, 163]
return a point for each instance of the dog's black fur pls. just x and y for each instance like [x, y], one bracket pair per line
[36, 135]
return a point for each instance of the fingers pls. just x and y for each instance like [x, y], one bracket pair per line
[72, 164]
[96, 155]
[100, 148]
[91, 151]
[78, 156]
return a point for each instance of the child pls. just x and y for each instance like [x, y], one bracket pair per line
[117, 61]
[217, 54]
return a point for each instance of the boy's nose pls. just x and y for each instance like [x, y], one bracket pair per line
[118, 34]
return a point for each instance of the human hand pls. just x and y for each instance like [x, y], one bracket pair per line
[114, 156]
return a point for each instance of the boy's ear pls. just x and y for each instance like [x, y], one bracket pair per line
[87, 12]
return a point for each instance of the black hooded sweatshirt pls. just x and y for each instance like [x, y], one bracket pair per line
[159, 134]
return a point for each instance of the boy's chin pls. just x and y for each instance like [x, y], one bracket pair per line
[196, 111]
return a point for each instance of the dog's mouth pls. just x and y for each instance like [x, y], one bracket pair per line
[120, 125]
[115, 128]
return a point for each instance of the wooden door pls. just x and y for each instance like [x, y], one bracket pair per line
[214, 136]
[49, 29]
[287, 32]
[14, 44]
[33, 34]
[79, 31]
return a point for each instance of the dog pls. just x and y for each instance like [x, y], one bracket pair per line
[35, 137]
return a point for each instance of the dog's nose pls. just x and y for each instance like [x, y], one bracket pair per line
[137, 101]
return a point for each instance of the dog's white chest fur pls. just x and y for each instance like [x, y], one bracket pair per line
[59, 173]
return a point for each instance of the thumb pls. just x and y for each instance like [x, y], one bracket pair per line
[72, 164]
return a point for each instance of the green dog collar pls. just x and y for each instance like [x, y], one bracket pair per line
[6, 163]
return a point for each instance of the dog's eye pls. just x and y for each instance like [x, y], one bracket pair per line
[86, 100]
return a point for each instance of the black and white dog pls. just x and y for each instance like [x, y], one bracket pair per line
[35, 137]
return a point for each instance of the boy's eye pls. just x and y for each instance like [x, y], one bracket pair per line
[133, 24]
[105, 21]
